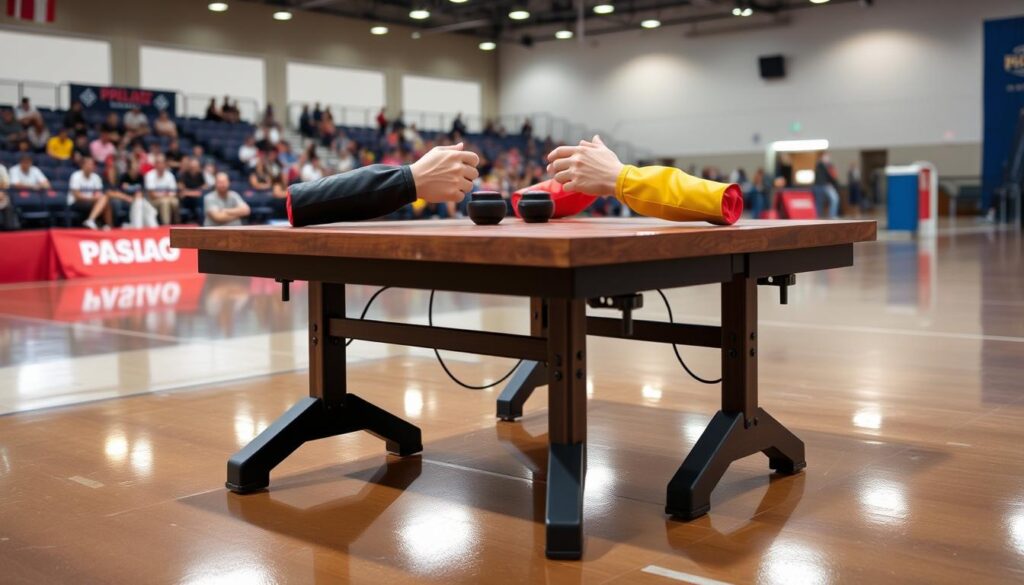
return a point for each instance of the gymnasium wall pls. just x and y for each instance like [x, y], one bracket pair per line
[904, 75]
[247, 30]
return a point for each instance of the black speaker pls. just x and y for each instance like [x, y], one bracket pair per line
[773, 67]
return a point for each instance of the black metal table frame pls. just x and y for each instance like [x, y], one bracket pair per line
[555, 354]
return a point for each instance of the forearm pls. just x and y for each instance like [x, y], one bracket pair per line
[671, 194]
[360, 194]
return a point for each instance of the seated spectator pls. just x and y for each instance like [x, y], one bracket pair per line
[318, 113]
[411, 137]
[27, 114]
[86, 195]
[213, 112]
[113, 127]
[458, 126]
[285, 156]
[162, 189]
[267, 137]
[229, 111]
[74, 119]
[347, 159]
[191, 186]
[37, 135]
[527, 129]
[8, 215]
[199, 153]
[260, 178]
[102, 148]
[382, 121]
[399, 123]
[312, 170]
[139, 155]
[130, 188]
[136, 124]
[27, 176]
[165, 126]
[174, 155]
[327, 129]
[224, 206]
[11, 131]
[60, 147]
[268, 116]
[81, 149]
[209, 174]
[247, 151]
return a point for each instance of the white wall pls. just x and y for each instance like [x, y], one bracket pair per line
[362, 90]
[446, 96]
[199, 75]
[53, 59]
[902, 73]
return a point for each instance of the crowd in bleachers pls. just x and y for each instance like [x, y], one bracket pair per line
[106, 169]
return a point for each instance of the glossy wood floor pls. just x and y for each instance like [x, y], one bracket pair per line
[903, 375]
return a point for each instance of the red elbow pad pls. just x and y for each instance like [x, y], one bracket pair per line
[567, 203]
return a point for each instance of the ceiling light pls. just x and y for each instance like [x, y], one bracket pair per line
[378, 30]
[519, 14]
[563, 34]
[604, 8]
[747, 12]
[651, 23]
[799, 145]
[457, 1]
[217, 6]
[488, 46]
[737, 11]
[282, 15]
[818, 1]
[419, 14]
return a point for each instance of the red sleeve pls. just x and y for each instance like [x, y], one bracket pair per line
[732, 204]
[288, 206]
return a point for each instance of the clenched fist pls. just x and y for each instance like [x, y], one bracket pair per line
[590, 168]
[445, 173]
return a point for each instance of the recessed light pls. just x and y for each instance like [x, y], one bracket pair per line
[563, 34]
[419, 14]
[651, 23]
[818, 1]
[378, 30]
[519, 14]
[488, 46]
[604, 9]
[282, 15]
[217, 6]
[457, 1]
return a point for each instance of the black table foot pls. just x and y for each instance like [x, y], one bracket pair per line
[311, 419]
[528, 376]
[725, 440]
[564, 516]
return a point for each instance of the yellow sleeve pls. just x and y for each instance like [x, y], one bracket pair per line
[671, 194]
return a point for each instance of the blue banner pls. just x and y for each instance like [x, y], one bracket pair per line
[122, 99]
[1003, 139]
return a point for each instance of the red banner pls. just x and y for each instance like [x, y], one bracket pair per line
[27, 256]
[83, 253]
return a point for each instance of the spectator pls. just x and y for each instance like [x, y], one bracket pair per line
[102, 149]
[756, 194]
[191, 185]
[317, 113]
[209, 174]
[327, 128]
[285, 156]
[267, 137]
[223, 206]
[136, 124]
[86, 196]
[81, 148]
[8, 215]
[411, 137]
[165, 126]
[139, 155]
[37, 135]
[229, 111]
[27, 114]
[826, 185]
[74, 119]
[27, 176]
[113, 127]
[131, 185]
[199, 153]
[458, 126]
[174, 155]
[527, 129]
[260, 178]
[853, 180]
[306, 127]
[398, 124]
[11, 131]
[268, 117]
[247, 151]
[163, 191]
[312, 170]
[60, 147]
[347, 159]
[382, 121]
[213, 112]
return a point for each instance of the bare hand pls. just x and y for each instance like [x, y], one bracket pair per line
[590, 168]
[445, 173]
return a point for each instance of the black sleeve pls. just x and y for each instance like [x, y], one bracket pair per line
[359, 194]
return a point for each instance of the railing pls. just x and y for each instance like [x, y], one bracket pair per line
[195, 104]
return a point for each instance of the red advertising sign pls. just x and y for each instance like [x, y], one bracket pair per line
[798, 205]
[84, 253]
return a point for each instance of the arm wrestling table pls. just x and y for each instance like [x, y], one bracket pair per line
[559, 265]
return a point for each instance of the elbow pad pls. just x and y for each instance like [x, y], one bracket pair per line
[357, 195]
[566, 202]
[671, 194]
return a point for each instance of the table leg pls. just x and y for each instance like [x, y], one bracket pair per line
[328, 411]
[529, 375]
[567, 427]
[741, 428]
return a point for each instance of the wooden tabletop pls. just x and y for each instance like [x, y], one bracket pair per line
[564, 243]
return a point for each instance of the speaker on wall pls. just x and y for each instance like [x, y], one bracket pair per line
[773, 67]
